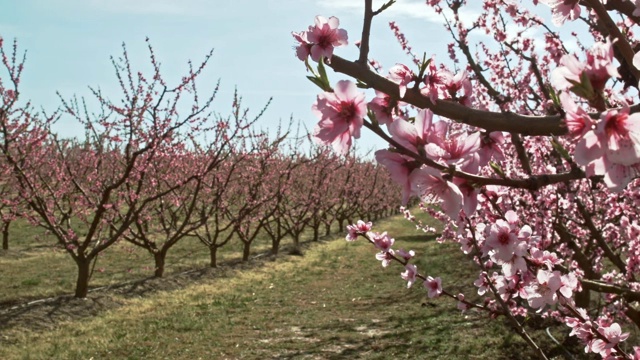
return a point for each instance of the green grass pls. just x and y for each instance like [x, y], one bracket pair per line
[336, 302]
[36, 267]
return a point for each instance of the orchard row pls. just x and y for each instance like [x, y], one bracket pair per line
[159, 165]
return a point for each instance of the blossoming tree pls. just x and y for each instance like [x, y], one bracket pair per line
[527, 152]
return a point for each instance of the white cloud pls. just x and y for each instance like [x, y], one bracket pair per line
[415, 9]
[164, 7]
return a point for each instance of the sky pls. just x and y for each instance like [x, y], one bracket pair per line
[69, 44]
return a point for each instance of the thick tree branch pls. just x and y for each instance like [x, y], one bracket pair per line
[491, 121]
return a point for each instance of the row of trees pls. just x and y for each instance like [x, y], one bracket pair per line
[159, 165]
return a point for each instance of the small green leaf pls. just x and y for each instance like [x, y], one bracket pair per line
[362, 85]
[582, 88]
[560, 149]
[319, 83]
[372, 117]
[497, 169]
[322, 71]
[423, 66]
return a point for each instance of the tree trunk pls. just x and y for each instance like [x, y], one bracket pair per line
[5, 235]
[296, 244]
[82, 281]
[213, 256]
[316, 232]
[275, 246]
[159, 258]
[275, 241]
[327, 229]
[246, 251]
[340, 223]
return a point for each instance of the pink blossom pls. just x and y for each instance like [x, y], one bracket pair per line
[482, 284]
[612, 149]
[544, 258]
[576, 119]
[410, 274]
[454, 83]
[613, 334]
[382, 241]
[341, 116]
[304, 47]
[401, 75]
[385, 257]
[469, 196]
[598, 68]
[413, 136]
[406, 255]
[399, 167]
[383, 108]
[621, 133]
[501, 240]
[544, 292]
[320, 40]
[357, 229]
[490, 147]
[462, 306]
[429, 184]
[563, 10]
[433, 286]
[569, 285]
[516, 262]
[457, 149]
[435, 80]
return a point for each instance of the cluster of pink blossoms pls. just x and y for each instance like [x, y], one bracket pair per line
[527, 271]
[600, 336]
[384, 243]
[609, 146]
[437, 140]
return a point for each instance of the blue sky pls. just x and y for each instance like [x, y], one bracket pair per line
[69, 43]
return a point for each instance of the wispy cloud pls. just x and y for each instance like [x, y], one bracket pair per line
[414, 9]
[163, 7]
[134, 7]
